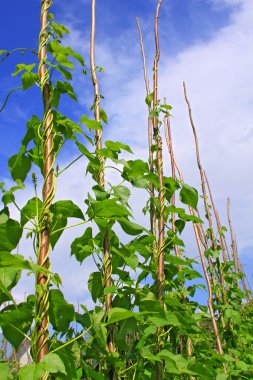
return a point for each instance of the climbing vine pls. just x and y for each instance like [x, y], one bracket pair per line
[146, 321]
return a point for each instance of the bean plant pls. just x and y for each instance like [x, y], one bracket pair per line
[146, 322]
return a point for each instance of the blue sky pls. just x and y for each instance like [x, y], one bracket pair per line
[182, 23]
[205, 42]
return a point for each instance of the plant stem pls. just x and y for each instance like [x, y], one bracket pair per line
[71, 226]
[159, 167]
[68, 166]
[223, 247]
[43, 279]
[101, 182]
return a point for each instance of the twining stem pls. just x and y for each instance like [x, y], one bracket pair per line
[232, 236]
[238, 264]
[222, 240]
[159, 159]
[7, 53]
[168, 139]
[43, 279]
[8, 95]
[209, 286]
[159, 167]
[101, 181]
[150, 135]
[204, 266]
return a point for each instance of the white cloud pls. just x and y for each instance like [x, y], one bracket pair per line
[220, 87]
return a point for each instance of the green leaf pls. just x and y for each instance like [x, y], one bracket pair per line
[59, 29]
[122, 192]
[29, 79]
[91, 124]
[31, 210]
[110, 289]
[4, 371]
[171, 185]
[67, 75]
[92, 374]
[8, 196]
[149, 99]
[9, 277]
[170, 359]
[109, 208]
[4, 215]
[132, 261]
[117, 314]
[189, 196]
[75, 55]
[83, 246]
[129, 227]
[30, 372]
[58, 225]
[67, 209]
[23, 67]
[10, 234]
[66, 126]
[5, 295]
[222, 376]
[145, 353]
[166, 107]
[100, 193]
[9, 260]
[180, 225]
[15, 323]
[95, 285]
[149, 302]
[60, 53]
[135, 169]
[19, 166]
[232, 315]
[117, 146]
[61, 313]
[172, 319]
[103, 116]
[66, 88]
[52, 363]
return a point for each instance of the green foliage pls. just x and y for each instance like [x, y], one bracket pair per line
[147, 331]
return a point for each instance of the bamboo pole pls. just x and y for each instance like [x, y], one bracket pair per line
[159, 167]
[235, 255]
[204, 266]
[101, 182]
[43, 280]
[201, 253]
[159, 159]
[150, 134]
[207, 210]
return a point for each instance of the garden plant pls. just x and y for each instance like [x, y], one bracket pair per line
[146, 322]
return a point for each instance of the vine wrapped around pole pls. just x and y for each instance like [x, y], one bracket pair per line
[101, 181]
[158, 139]
[43, 279]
